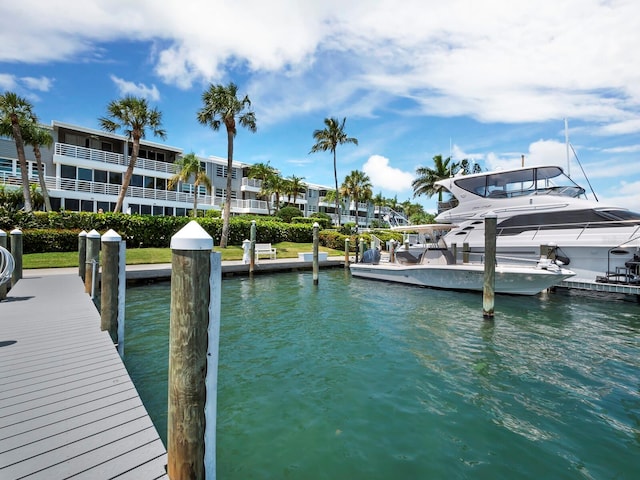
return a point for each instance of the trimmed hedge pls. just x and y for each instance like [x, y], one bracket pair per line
[58, 231]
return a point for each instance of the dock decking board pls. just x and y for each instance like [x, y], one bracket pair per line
[67, 404]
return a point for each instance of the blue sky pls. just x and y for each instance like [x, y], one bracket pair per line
[488, 81]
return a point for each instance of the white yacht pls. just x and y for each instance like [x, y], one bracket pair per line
[542, 206]
[425, 260]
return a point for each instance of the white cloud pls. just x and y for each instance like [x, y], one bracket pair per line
[42, 84]
[384, 176]
[7, 81]
[623, 149]
[136, 89]
[496, 61]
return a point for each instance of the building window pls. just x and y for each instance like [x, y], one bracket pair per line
[145, 209]
[72, 204]
[6, 165]
[149, 182]
[104, 206]
[85, 174]
[161, 184]
[68, 171]
[100, 176]
[115, 178]
[87, 205]
[136, 180]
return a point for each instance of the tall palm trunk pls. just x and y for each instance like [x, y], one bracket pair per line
[227, 197]
[126, 180]
[335, 177]
[43, 184]
[22, 160]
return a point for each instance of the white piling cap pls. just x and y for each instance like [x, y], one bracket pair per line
[316, 225]
[83, 233]
[93, 234]
[192, 237]
[16, 231]
[3, 233]
[111, 236]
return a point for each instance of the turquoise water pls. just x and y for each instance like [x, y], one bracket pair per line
[353, 379]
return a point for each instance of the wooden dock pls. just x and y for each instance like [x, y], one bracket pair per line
[68, 407]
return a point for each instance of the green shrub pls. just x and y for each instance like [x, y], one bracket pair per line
[287, 213]
[39, 241]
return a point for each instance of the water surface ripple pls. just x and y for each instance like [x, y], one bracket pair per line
[353, 379]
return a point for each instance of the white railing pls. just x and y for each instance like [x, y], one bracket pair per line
[94, 155]
[252, 182]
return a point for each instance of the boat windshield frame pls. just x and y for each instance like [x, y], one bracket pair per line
[548, 180]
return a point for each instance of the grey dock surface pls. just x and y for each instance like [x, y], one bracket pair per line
[68, 407]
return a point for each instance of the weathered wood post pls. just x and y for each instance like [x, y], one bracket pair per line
[109, 301]
[16, 251]
[465, 252]
[488, 290]
[82, 253]
[316, 241]
[252, 253]
[3, 244]
[361, 247]
[346, 252]
[91, 262]
[454, 252]
[193, 354]
[392, 251]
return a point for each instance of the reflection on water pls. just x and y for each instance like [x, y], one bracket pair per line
[359, 379]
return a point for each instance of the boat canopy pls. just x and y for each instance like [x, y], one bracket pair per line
[548, 180]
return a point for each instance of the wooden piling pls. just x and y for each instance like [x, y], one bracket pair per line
[361, 249]
[109, 300]
[82, 253]
[91, 262]
[465, 252]
[16, 251]
[188, 337]
[252, 250]
[4, 286]
[346, 253]
[454, 252]
[488, 291]
[316, 241]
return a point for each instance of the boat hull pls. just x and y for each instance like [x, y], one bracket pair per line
[511, 280]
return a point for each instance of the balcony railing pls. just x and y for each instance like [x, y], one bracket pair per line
[94, 155]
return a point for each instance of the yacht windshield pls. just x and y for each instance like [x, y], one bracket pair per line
[530, 181]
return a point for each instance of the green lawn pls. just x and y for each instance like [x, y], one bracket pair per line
[137, 256]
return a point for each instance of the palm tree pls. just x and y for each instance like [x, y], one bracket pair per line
[379, 201]
[357, 186]
[275, 185]
[427, 177]
[294, 187]
[329, 139]
[222, 105]
[15, 114]
[133, 116]
[37, 137]
[262, 172]
[190, 167]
